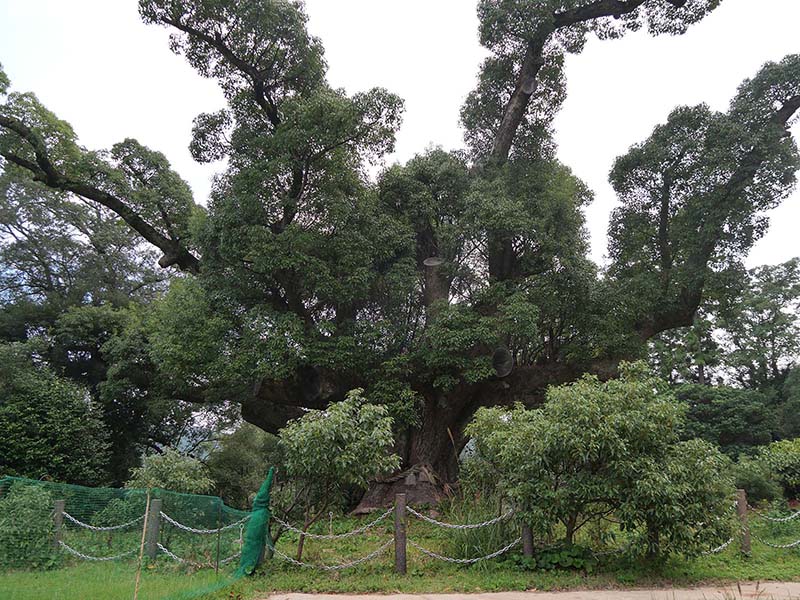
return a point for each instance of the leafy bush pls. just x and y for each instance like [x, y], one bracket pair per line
[171, 471]
[680, 502]
[737, 420]
[49, 427]
[238, 465]
[784, 459]
[328, 451]
[756, 478]
[26, 528]
[598, 448]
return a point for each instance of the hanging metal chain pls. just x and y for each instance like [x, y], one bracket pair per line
[174, 557]
[334, 536]
[610, 552]
[766, 517]
[74, 552]
[172, 521]
[69, 517]
[225, 561]
[452, 526]
[719, 549]
[178, 559]
[465, 561]
[339, 567]
[779, 546]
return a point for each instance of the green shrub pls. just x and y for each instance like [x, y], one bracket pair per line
[784, 459]
[329, 451]
[737, 420]
[679, 502]
[171, 471]
[49, 427]
[600, 448]
[239, 464]
[26, 529]
[756, 478]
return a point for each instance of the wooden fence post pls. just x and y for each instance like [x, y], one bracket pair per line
[400, 534]
[58, 521]
[741, 510]
[527, 541]
[152, 528]
[219, 526]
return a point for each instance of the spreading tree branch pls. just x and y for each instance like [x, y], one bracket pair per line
[534, 60]
[44, 171]
[681, 313]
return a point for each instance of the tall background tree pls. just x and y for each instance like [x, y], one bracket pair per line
[457, 280]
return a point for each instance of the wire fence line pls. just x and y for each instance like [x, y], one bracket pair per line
[80, 523]
[178, 559]
[766, 517]
[794, 544]
[400, 512]
[333, 536]
[719, 548]
[179, 525]
[88, 557]
[337, 567]
[465, 561]
[433, 521]
[770, 519]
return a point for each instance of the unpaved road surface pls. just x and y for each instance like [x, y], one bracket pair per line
[760, 591]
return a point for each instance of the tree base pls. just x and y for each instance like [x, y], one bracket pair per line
[418, 483]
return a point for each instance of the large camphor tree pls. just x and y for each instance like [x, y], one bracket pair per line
[458, 280]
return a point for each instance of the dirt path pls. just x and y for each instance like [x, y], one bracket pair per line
[760, 591]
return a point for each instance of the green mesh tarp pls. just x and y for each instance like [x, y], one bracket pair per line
[257, 529]
[73, 542]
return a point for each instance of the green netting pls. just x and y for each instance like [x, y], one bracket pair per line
[69, 542]
[258, 528]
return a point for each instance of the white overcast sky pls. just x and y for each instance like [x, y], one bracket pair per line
[97, 66]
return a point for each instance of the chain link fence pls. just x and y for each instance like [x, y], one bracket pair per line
[72, 525]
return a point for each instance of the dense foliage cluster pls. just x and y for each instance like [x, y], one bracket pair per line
[51, 429]
[171, 471]
[597, 450]
[456, 281]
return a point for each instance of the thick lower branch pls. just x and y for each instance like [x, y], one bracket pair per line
[45, 172]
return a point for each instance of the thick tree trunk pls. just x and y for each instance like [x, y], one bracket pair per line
[430, 452]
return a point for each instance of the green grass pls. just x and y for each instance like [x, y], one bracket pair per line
[109, 581]
[428, 577]
[115, 581]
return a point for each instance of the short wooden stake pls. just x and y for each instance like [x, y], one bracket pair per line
[219, 526]
[152, 531]
[141, 548]
[400, 534]
[58, 521]
[741, 510]
[527, 541]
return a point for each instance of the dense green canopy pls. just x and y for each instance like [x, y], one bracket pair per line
[457, 280]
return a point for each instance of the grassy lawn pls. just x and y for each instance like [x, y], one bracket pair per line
[115, 581]
[106, 581]
[427, 576]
